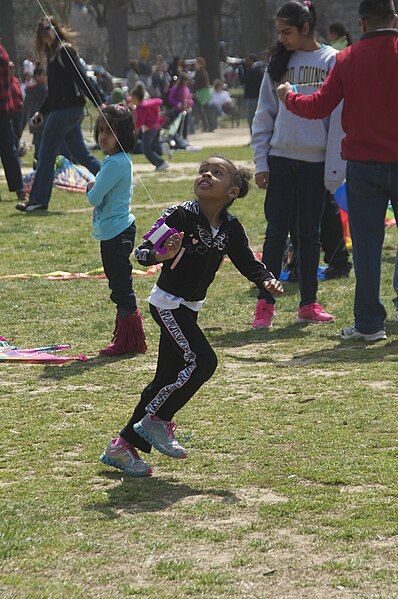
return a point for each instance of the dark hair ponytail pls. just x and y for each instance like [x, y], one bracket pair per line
[296, 14]
[338, 28]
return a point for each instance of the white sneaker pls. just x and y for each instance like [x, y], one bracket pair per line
[352, 333]
[163, 167]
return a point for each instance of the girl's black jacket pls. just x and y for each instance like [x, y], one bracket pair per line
[68, 82]
[203, 255]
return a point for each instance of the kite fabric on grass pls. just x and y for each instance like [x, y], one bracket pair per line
[67, 176]
[35, 355]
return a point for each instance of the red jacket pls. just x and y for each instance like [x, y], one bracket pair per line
[148, 114]
[366, 77]
[16, 93]
[6, 103]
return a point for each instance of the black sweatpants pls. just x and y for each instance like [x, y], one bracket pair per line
[9, 154]
[332, 236]
[185, 362]
[115, 255]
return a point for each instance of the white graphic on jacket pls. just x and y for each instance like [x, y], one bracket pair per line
[203, 235]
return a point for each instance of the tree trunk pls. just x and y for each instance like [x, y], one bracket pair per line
[64, 8]
[117, 27]
[209, 32]
[8, 31]
[257, 25]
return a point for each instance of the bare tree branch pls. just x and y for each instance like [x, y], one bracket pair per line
[155, 22]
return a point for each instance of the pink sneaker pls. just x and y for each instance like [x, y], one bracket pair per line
[263, 315]
[313, 313]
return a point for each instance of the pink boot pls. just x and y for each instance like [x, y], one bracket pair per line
[128, 337]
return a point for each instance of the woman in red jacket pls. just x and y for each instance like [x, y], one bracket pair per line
[17, 116]
[148, 119]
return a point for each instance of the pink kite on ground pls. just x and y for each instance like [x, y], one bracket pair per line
[35, 355]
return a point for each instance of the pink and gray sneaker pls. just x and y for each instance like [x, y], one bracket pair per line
[160, 434]
[263, 315]
[314, 313]
[125, 457]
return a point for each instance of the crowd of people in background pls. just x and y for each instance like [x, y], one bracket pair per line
[188, 98]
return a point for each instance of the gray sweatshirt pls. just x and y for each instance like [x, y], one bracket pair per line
[278, 132]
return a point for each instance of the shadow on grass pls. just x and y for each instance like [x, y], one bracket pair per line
[139, 495]
[251, 336]
[38, 214]
[289, 289]
[57, 372]
[350, 352]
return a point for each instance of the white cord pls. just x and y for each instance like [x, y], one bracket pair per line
[96, 104]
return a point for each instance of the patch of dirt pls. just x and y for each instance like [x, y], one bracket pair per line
[42, 390]
[379, 384]
[318, 372]
[361, 488]
[258, 496]
[226, 524]
[83, 387]
[387, 542]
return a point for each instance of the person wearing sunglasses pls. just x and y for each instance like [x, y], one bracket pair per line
[62, 111]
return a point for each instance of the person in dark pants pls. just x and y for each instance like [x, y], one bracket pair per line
[370, 122]
[8, 150]
[295, 160]
[252, 78]
[68, 84]
[207, 232]
[18, 114]
[114, 225]
[336, 254]
[149, 121]
[34, 98]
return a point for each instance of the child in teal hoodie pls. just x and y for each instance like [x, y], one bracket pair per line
[114, 225]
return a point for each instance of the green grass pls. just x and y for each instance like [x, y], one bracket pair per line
[290, 489]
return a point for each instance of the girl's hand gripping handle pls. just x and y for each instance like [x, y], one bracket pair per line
[172, 247]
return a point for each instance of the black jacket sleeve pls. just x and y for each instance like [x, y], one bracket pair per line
[76, 69]
[145, 252]
[243, 259]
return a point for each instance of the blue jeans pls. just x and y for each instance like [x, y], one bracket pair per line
[294, 185]
[151, 146]
[370, 185]
[63, 148]
[60, 125]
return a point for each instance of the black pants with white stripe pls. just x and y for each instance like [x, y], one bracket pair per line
[185, 362]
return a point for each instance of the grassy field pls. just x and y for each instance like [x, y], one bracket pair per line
[290, 489]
